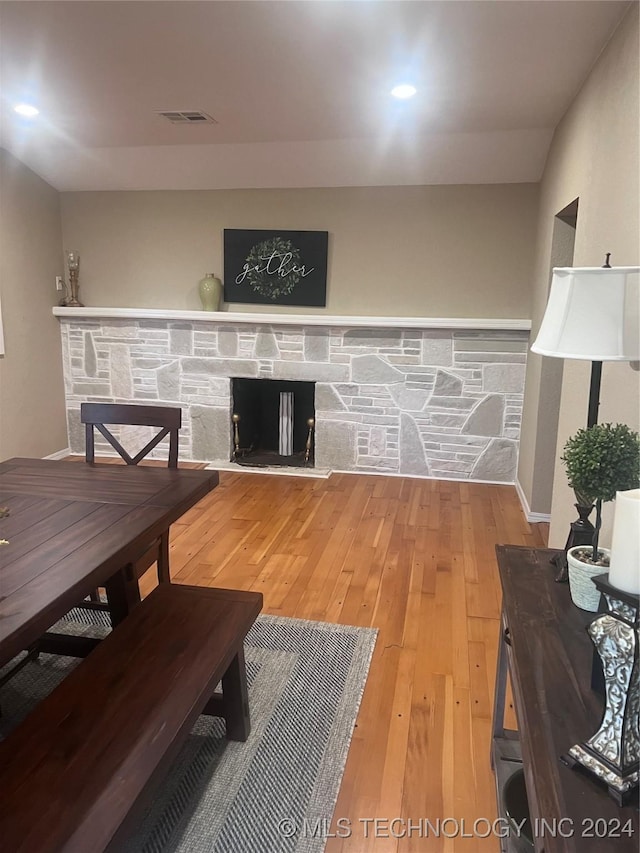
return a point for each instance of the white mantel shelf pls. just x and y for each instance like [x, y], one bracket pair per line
[293, 319]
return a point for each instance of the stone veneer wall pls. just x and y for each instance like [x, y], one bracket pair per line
[432, 402]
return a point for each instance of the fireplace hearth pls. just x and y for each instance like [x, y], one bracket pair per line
[273, 422]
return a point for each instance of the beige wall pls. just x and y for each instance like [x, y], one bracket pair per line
[32, 417]
[543, 382]
[459, 251]
[594, 157]
[426, 251]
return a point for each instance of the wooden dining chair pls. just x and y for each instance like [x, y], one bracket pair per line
[98, 416]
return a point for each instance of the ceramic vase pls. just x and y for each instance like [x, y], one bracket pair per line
[210, 289]
[584, 593]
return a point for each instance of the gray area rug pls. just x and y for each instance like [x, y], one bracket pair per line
[305, 685]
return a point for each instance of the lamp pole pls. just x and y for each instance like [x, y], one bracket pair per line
[594, 393]
[596, 376]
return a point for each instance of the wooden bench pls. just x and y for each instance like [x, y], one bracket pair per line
[75, 774]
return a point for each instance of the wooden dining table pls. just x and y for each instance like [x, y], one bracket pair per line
[67, 528]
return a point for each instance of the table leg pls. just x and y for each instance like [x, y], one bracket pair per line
[500, 691]
[123, 594]
[235, 699]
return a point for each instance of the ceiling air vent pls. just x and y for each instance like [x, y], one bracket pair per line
[187, 117]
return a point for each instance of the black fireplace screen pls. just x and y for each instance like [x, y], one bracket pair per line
[273, 422]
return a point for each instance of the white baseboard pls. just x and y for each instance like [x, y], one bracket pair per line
[383, 473]
[60, 454]
[276, 470]
[532, 517]
[324, 473]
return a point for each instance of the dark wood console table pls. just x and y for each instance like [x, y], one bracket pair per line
[549, 655]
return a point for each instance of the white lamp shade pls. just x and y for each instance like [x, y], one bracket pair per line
[593, 313]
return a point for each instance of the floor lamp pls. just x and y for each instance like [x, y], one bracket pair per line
[593, 313]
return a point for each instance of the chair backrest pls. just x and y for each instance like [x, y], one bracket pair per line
[167, 418]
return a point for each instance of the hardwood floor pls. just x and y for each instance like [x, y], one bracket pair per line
[415, 559]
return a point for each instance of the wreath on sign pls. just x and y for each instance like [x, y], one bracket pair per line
[273, 285]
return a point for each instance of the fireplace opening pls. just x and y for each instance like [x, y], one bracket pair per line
[273, 422]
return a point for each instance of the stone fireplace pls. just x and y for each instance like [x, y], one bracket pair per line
[431, 398]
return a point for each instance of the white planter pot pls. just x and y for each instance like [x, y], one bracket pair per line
[584, 592]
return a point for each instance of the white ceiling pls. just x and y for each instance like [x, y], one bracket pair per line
[299, 89]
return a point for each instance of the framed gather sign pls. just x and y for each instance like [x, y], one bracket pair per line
[275, 267]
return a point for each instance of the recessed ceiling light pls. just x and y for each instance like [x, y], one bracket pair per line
[404, 91]
[26, 110]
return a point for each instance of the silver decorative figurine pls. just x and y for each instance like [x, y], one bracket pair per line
[613, 753]
[73, 264]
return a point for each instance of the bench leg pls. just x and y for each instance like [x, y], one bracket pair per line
[235, 699]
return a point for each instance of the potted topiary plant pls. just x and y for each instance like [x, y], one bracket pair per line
[600, 461]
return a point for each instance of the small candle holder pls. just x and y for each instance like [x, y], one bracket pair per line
[73, 263]
[613, 753]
